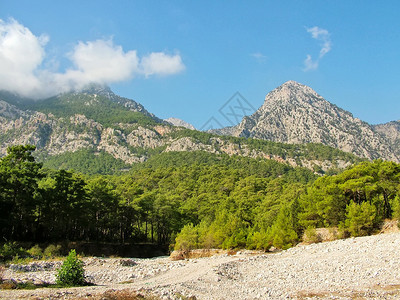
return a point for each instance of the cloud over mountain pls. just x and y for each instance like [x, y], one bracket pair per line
[22, 55]
[323, 36]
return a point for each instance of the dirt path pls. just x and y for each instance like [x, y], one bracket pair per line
[190, 272]
[194, 270]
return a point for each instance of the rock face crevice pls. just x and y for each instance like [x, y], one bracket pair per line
[294, 113]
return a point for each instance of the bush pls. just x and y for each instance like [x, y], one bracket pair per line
[282, 233]
[52, 251]
[188, 238]
[360, 218]
[311, 236]
[36, 252]
[12, 250]
[396, 208]
[71, 272]
[258, 240]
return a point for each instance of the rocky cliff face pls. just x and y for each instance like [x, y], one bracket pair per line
[295, 113]
[64, 125]
[391, 131]
[179, 123]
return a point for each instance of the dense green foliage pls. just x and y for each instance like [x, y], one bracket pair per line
[297, 152]
[247, 166]
[11, 250]
[148, 204]
[358, 198]
[194, 200]
[101, 105]
[71, 272]
[86, 161]
[99, 108]
[19, 177]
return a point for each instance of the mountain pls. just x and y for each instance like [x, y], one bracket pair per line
[97, 131]
[180, 123]
[295, 113]
[95, 102]
[391, 131]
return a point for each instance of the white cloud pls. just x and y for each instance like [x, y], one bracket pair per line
[259, 56]
[22, 55]
[98, 61]
[323, 36]
[103, 61]
[161, 63]
[310, 64]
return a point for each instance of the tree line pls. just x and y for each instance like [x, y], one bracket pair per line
[192, 200]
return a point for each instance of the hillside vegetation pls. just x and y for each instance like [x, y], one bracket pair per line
[180, 143]
[192, 200]
[99, 108]
[95, 131]
[86, 161]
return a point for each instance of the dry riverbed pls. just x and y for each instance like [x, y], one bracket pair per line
[361, 268]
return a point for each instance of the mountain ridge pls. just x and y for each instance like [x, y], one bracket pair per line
[295, 113]
[179, 123]
[91, 121]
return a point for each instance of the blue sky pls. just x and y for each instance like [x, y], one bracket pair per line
[185, 59]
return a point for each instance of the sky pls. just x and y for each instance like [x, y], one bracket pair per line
[193, 59]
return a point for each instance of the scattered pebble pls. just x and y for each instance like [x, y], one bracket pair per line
[365, 268]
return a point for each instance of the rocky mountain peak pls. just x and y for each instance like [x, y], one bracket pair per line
[180, 123]
[293, 85]
[294, 113]
[97, 89]
[291, 92]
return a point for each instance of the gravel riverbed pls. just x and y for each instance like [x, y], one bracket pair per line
[361, 268]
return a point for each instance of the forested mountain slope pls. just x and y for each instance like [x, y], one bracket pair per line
[198, 201]
[96, 131]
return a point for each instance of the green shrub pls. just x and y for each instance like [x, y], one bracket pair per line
[12, 250]
[258, 240]
[52, 251]
[360, 218]
[36, 252]
[311, 236]
[71, 272]
[188, 238]
[282, 233]
[396, 208]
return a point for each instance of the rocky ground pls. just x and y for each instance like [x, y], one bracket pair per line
[355, 268]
